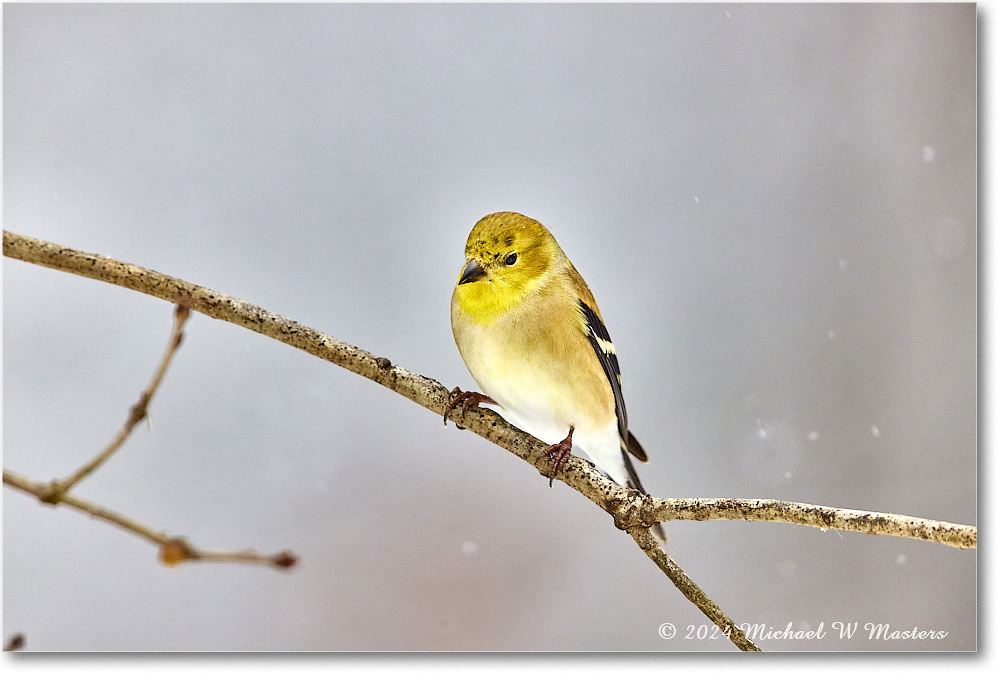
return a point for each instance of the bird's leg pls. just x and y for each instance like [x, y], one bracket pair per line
[467, 399]
[562, 451]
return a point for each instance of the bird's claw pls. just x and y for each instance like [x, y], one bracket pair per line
[562, 451]
[468, 399]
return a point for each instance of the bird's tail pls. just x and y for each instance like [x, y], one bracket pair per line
[634, 482]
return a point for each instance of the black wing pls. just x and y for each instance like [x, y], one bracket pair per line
[600, 340]
[597, 333]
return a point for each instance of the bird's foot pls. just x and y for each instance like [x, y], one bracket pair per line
[562, 451]
[468, 399]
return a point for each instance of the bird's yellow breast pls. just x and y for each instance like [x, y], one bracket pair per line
[533, 357]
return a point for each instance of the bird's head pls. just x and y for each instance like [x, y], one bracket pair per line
[507, 257]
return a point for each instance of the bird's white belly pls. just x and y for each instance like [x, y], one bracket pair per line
[535, 399]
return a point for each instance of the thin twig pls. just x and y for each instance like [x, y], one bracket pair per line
[15, 642]
[135, 415]
[173, 550]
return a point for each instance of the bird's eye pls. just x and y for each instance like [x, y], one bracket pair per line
[510, 259]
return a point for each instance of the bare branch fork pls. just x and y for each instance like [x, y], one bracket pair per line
[631, 511]
[173, 550]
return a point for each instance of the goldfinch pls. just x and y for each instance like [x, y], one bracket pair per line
[531, 334]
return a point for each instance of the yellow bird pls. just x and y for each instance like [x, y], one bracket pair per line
[531, 334]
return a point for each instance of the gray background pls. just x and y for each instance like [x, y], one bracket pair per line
[774, 205]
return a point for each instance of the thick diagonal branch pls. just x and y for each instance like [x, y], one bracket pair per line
[434, 396]
[631, 511]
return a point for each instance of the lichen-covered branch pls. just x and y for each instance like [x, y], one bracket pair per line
[631, 511]
[813, 515]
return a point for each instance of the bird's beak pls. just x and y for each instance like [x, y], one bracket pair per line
[472, 272]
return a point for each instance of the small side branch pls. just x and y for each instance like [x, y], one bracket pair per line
[136, 413]
[648, 543]
[813, 515]
[173, 550]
